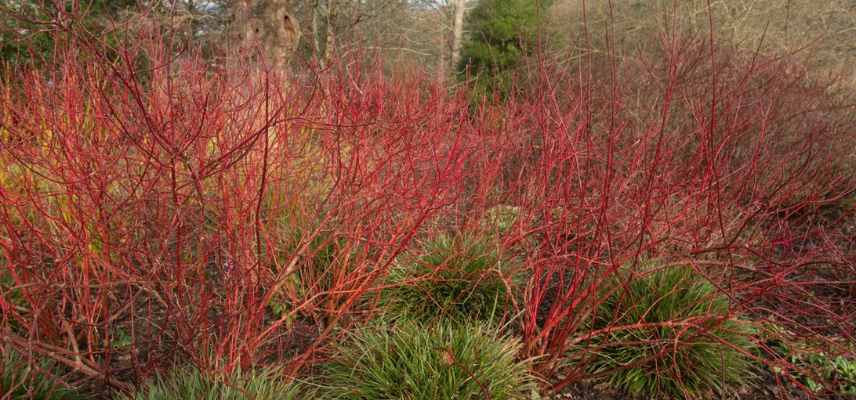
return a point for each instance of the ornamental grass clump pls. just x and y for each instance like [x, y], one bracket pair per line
[669, 333]
[191, 383]
[323, 261]
[20, 379]
[455, 277]
[416, 361]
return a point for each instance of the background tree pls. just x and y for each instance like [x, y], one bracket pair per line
[458, 30]
[26, 26]
[820, 33]
[266, 27]
[329, 26]
[501, 34]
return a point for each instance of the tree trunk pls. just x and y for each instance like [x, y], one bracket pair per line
[441, 65]
[323, 35]
[266, 29]
[330, 44]
[316, 30]
[458, 31]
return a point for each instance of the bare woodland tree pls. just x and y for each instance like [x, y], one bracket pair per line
[821, 32]
[458, 31]
[412, 34]
[266, 27]
[365, 24]
[442, 31]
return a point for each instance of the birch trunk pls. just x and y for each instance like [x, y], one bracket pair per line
[458, 31]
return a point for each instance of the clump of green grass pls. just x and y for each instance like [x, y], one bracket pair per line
[20, 379]
[455, 277]
[415, 361]
[686, 343]
[324, 260]
[191, 383]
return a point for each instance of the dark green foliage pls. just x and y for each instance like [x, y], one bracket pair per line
[691, 347]
[418, 362]
[190, 383]
[21, 380]
[501, 34]
[25, 31]
[820, 372]
[454, 277]
[838, 374]
[18, 40]
[844, 371]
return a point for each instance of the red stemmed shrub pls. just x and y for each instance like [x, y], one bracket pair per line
[701, 153]
[157, 211]
[151, 216]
